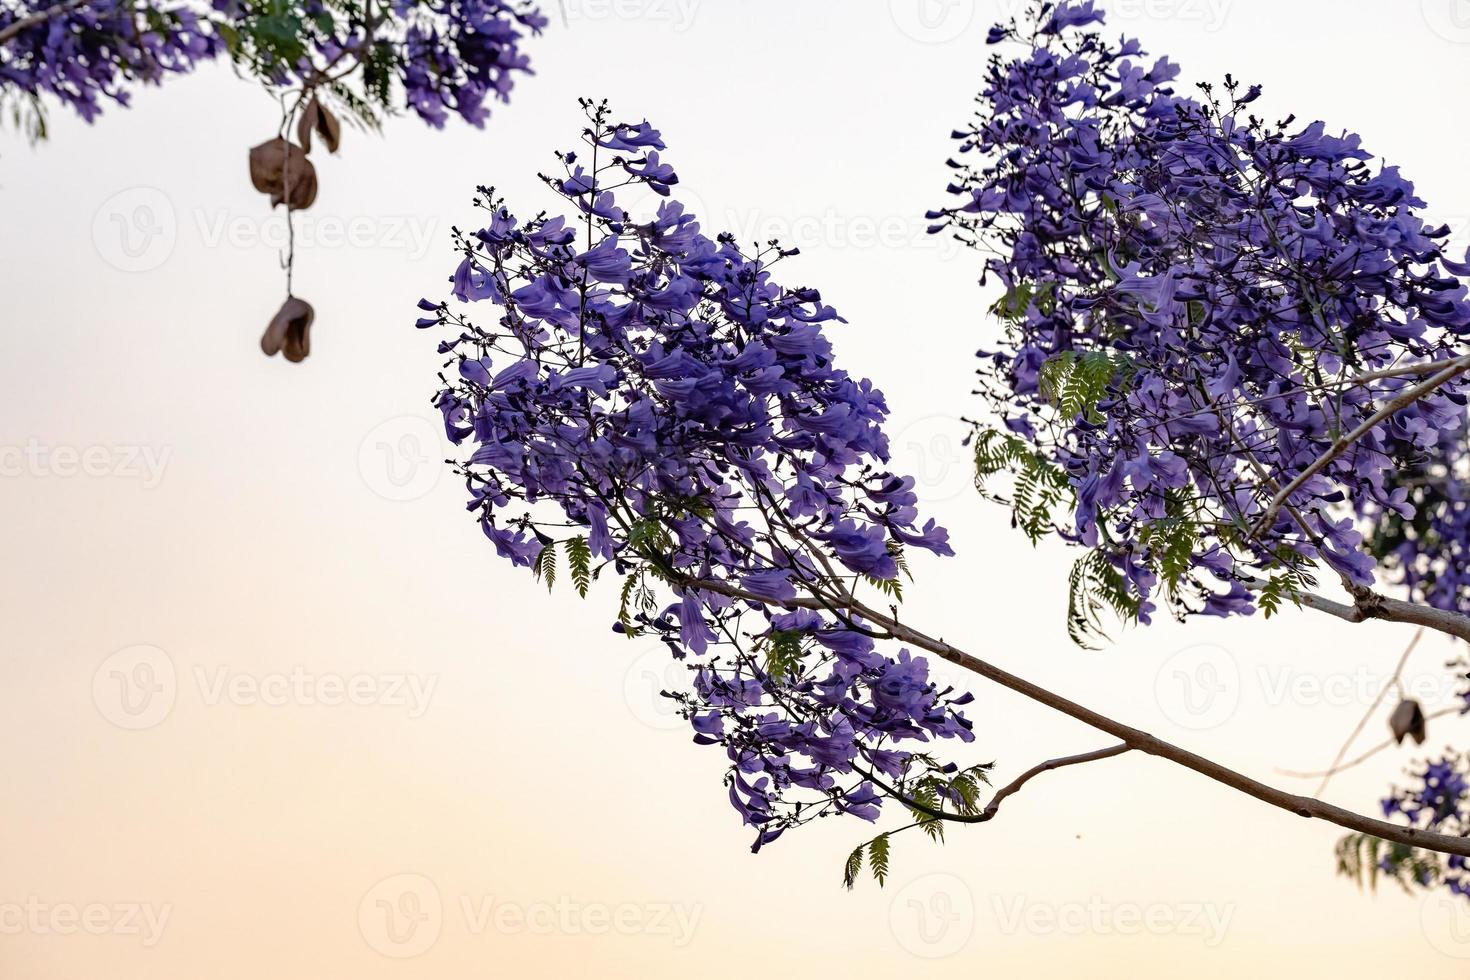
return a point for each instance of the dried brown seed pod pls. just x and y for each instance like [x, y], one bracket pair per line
[290, 331]
[275, 164]
[1408, 719]
[317, 118]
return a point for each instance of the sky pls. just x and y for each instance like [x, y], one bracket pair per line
[275, 707]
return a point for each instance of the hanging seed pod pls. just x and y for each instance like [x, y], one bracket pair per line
[1408, 720]
[290, 331]
[317, 118]
[276, 166]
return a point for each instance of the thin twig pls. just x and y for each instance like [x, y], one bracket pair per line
[1404, 399]
[1015, 785]
[1363, 722]
[39, 17]
[1302, 806]
[1381, 747]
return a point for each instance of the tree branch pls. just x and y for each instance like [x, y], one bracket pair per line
[1403, 400]
[1133, 738]
[1363, 722]
[1013, 787]
[39, 17]
[1368, 605]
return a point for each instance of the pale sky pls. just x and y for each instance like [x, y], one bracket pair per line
[276, 709]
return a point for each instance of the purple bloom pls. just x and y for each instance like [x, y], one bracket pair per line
[669, 414]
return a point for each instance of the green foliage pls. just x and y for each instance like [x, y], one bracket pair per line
[26, 113]
[635, 596]
[1283, 586]
[1038, 485]
[1362, 857]
[579, 555]
[931, 800]
[878, 858]
[966, 785]
[1093, 587]
[891, 587]
[1019, 298]
[579, 560]
[545, 566]
[648, 538]
[783, 654]
[853, 868]
[1171, 541]
[926, 794]
[1076, 382]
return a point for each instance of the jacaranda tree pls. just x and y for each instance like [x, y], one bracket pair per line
[646, 411]
[1231, 360]
[319, 59]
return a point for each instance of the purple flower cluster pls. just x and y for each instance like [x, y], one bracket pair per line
[95, 50]
[438, 56]
[1439, 801]
[649, 401]
[451, 55]
[1198, 306]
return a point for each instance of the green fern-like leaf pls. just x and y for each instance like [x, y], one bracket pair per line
[1040, 486]
[1093, 587]
[966, 785]
[783, 654]
[890, 587]
[626, 599]
[927, 796]
[878, 858]
[853, 868]
[1076, 382]
[545, 566]
[579, 556]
